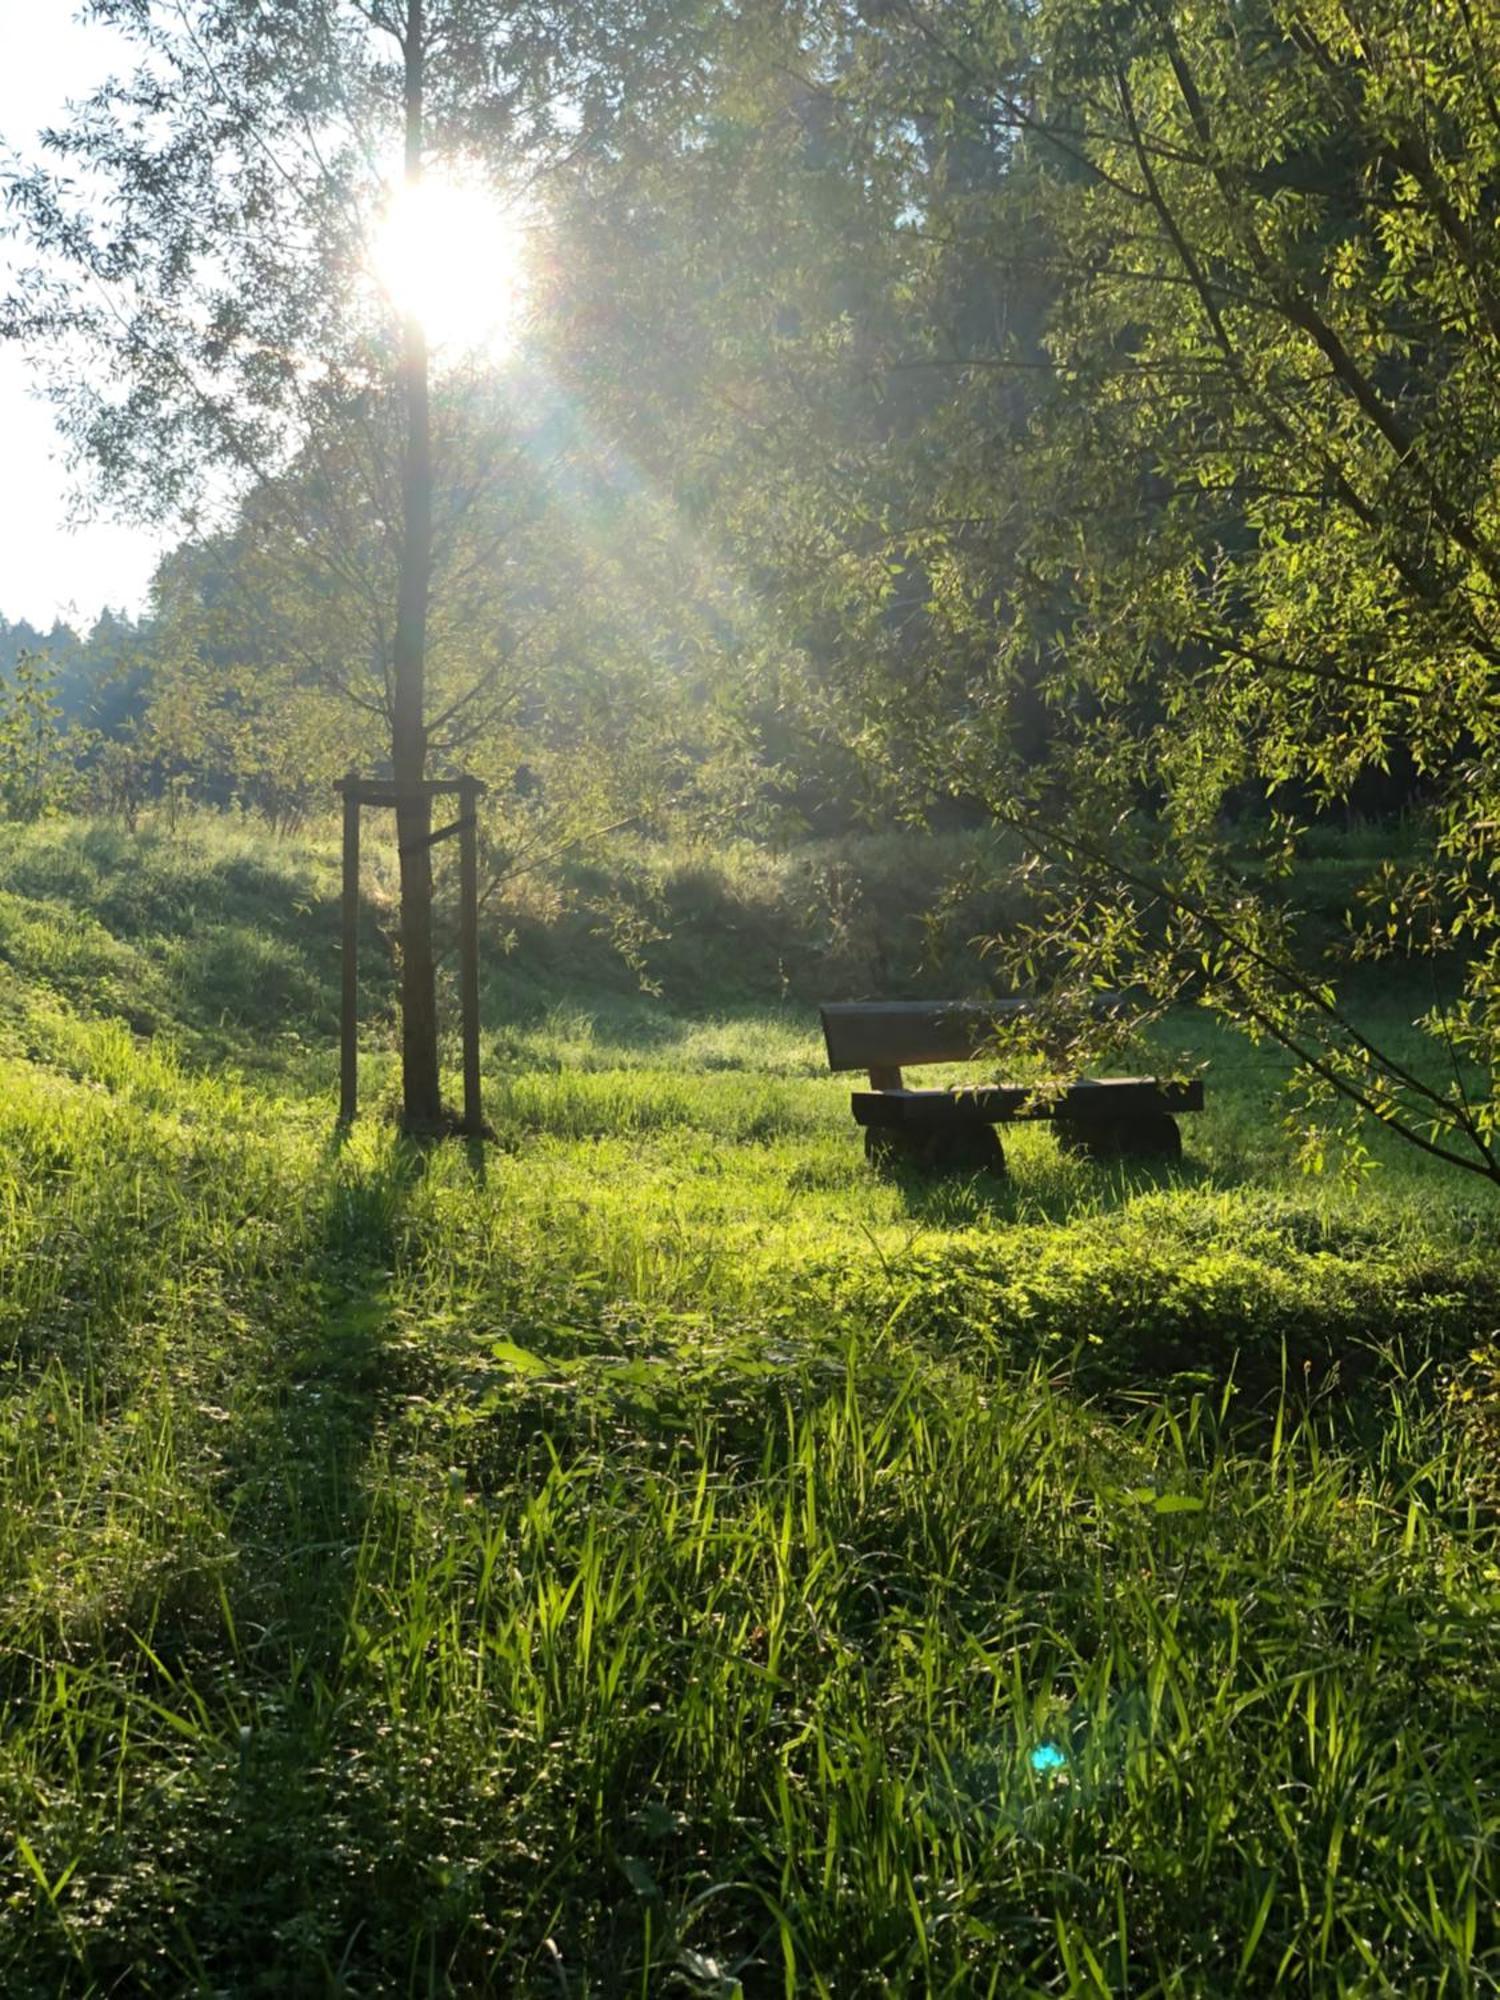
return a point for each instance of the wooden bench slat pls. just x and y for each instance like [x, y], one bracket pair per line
[887, 1034]
[1004, 1103]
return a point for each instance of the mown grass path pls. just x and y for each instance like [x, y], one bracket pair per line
[652, 1556]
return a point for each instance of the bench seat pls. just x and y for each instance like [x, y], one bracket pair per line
[1005, 1103]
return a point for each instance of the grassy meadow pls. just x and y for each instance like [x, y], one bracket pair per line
[651, 1554]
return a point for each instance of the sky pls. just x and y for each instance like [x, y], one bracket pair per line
[48, 568]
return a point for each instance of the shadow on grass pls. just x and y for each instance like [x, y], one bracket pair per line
[948, 1199]
[300, 1511]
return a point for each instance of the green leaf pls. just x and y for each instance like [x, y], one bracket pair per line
[509, 1355]
[1252, 1938]
[639, 1876]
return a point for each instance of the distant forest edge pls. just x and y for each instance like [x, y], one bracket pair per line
[100, 719]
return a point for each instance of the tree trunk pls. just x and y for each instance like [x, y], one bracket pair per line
[421, 1098]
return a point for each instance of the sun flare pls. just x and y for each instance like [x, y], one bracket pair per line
[453, 257]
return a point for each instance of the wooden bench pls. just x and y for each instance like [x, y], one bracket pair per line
[1104, 1118]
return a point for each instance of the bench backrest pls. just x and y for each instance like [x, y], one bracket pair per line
[886, 1034]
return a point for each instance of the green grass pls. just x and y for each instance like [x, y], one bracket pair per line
[644, 1555]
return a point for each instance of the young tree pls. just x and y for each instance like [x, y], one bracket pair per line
[38, 762]
[210, 281]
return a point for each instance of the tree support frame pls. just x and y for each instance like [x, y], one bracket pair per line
[358, 793]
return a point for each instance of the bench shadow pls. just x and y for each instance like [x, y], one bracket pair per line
[953, 1199]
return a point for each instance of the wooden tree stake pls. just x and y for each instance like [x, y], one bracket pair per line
[349, 1007]
[468, 897]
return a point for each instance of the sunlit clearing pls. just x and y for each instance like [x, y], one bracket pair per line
[452, 257]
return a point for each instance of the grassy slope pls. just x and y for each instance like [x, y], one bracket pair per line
[648, 1555]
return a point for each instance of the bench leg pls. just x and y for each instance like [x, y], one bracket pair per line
[1155, 1137]
[953, 1149]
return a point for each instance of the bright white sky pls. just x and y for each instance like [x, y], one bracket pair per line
[47, 569]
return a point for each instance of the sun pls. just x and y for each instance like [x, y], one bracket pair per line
[452, 256]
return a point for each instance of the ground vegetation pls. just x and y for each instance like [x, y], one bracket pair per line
[654, 1554]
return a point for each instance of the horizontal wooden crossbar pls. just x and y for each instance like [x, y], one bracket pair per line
[1102, 1100]
[386, 792]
